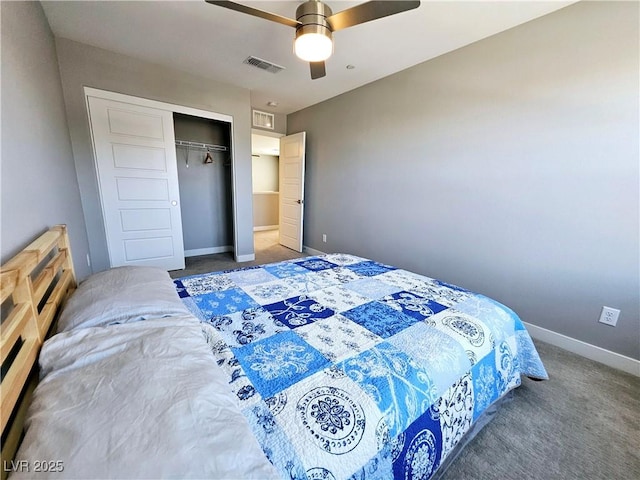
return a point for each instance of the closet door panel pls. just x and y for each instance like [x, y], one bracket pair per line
[137, 173]
[139, 157]
[142, 219]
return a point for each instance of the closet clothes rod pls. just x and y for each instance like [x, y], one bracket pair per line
[202, 146]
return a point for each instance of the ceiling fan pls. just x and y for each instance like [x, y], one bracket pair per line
[315, 24]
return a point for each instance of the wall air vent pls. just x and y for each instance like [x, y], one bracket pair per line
[263, 64]
[263, 119]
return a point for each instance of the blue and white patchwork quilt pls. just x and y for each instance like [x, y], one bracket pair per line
[348, 368]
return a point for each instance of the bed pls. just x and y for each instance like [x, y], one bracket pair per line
[323, 367]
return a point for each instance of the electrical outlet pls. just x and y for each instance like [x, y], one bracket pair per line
[324, 237]
[609, 316]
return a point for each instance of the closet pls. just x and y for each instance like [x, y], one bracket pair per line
[165, 177]
[203, 155]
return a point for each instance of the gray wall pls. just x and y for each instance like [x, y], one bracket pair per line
[265, 173]
[266, 209]
[82, 65]
[266, 206]
[39, 187]
[509, 167]
[205, 189]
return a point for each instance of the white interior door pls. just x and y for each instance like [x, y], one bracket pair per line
[292, 150]
[137, 173]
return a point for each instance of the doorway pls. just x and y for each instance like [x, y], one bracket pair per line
[265, 163]
[278, 186]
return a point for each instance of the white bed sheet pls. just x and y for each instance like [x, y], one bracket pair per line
[140, 400]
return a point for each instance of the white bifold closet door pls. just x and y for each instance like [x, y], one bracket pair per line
[137, 173]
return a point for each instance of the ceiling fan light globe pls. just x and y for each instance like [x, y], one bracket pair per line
[313, 47]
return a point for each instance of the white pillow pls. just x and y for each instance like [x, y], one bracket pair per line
[121, 295]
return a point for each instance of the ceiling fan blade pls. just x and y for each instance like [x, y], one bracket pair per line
[317, 70]
[365, 12]
[256, 13]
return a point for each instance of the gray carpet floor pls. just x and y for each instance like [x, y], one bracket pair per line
[267, 249]
[583, 423]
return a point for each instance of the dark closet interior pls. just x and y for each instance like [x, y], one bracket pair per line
[203, 151]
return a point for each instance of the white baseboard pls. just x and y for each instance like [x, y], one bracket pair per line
[246, 258]
[312, 251]
[592, 352]
[266, 227]
[207, 251]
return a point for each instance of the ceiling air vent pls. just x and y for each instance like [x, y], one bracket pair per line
[263, 64]
[263, 119]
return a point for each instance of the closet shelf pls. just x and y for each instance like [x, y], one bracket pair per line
[201, 146]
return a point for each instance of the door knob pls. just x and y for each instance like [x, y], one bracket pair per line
[174, 203]
[299, 202]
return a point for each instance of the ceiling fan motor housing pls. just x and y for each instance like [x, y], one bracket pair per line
[313, 17]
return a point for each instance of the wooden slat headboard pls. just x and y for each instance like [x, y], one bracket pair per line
[34, 286]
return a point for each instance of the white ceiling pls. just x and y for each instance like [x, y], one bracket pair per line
[212, 42]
